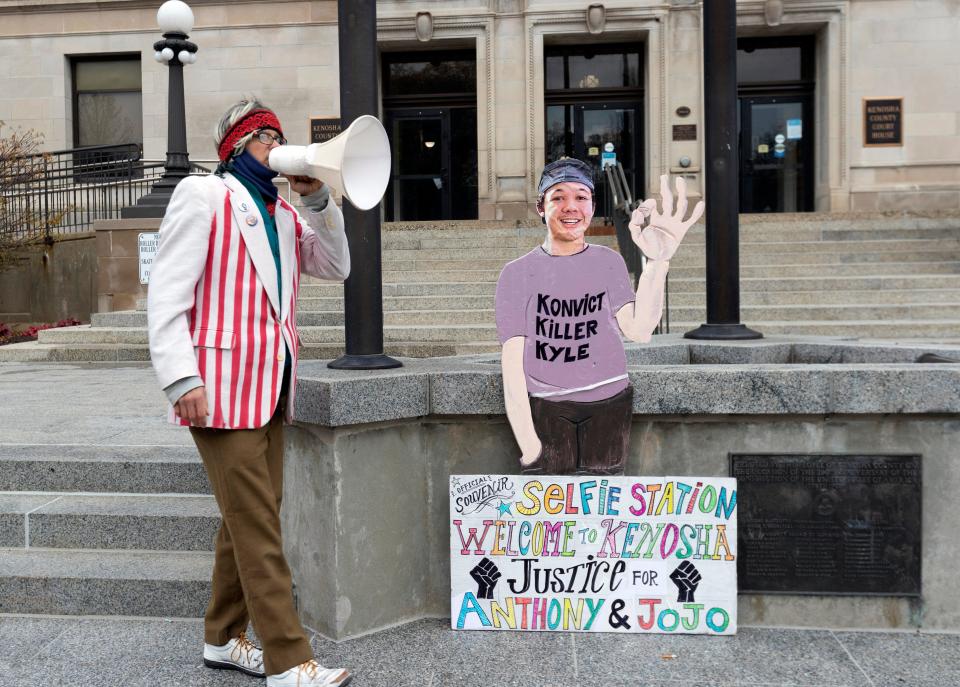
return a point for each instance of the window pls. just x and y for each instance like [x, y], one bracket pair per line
[784, 60]
[596, 66]
[445, 73]
[107, 101]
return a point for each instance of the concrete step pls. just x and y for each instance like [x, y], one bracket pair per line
[793, 313]
[839, 231]
[478, 241]
[37, 352]
[813, 313]
[754, 221]
[828, 283]
[80, 468]
[397, 349]
[695, 258]
[746, 248]
[443, 288]
[40, 352]
[408, 318]
[748, 271]
[810, 228]
[103, 582]
[846, 297]
[799, 312]
[406, 303]
[122, 319]
[940, 330]
[159, 522]
[84, 334]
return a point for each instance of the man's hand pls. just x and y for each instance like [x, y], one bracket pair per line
[303, 185]
[192, 407]
[665, 231]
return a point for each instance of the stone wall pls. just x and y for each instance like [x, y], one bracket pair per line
[906, 49]
[50, 283]
[358, 570]
[393, 438]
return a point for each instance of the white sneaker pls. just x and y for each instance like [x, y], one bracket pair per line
[310, 674]
[237, 654]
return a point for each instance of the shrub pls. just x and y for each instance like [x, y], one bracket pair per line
[8, 336]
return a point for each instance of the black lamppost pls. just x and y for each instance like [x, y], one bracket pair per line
[176, 21]
[363, 290]
[721, 174]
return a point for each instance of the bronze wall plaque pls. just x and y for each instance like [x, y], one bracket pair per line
[322, 130]
[684, 132]
[828, 524]
[882, 122]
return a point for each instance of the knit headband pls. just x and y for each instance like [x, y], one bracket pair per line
[252, 121]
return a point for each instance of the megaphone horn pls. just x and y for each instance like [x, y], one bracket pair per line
[356, 162]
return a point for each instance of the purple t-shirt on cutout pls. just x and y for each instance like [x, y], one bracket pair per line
[566, 306]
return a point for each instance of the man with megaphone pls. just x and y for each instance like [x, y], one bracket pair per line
[222, 313]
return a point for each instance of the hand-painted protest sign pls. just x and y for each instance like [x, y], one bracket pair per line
[593, 554]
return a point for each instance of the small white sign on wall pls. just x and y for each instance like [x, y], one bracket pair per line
[593, 554]
[147, 245]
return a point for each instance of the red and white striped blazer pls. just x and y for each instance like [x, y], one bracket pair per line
[213, 308]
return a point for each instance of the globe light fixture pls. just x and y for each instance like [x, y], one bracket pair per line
[175, 16]
[175, 19]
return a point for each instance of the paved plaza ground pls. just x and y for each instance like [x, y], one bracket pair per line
[110, 405]
[139, 652]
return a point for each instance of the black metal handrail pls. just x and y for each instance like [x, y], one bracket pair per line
[621, 204]
[65, 191]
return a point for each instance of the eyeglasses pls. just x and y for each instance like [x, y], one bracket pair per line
[266, 138]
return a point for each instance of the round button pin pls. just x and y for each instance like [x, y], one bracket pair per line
[244, 207]
[252, 221]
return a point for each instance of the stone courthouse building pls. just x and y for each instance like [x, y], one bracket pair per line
[845, 105]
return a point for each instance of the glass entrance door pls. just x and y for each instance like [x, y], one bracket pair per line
[430, 113]
[776, 139]
[611, 129]
[420, 143]
[590, 130]
[434, 174]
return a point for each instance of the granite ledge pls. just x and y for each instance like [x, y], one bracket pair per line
[671, 376]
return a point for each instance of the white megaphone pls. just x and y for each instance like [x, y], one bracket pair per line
[356, 162]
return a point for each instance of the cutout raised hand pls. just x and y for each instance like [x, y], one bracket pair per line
[665, 230]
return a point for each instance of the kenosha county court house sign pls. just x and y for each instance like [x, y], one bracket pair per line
[593, 554]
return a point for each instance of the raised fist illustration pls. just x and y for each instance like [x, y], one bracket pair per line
[686, 577]
[485, 574]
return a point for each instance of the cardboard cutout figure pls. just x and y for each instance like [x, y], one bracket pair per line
[560, 311]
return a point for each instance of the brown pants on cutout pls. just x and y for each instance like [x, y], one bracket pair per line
[591, 438]
[251, 579]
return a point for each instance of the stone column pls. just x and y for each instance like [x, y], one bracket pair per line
[118, 262]
[510, 84]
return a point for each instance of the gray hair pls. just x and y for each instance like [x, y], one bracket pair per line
[233, 115]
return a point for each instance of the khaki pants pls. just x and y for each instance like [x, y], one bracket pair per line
[251, 580]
